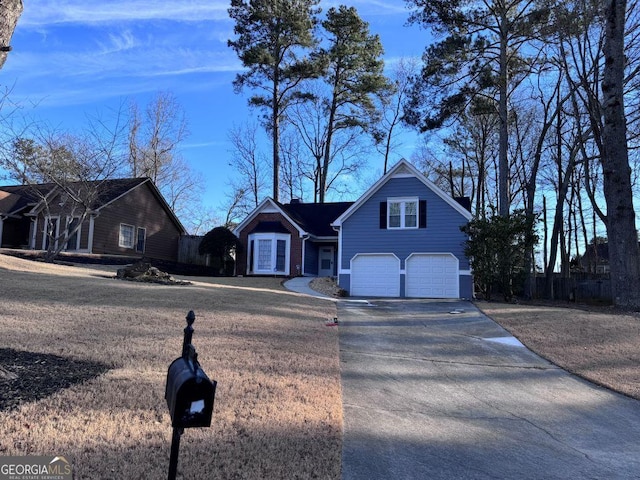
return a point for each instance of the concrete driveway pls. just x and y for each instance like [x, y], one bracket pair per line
[436, 390]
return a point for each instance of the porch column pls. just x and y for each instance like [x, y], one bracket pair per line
[304, 254]
[90, 238]
[34, 231]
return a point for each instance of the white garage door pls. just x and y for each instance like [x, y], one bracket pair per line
[432, 275]
[375, 275]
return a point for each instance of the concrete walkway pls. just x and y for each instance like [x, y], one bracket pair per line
[301, 285]
[436, 390]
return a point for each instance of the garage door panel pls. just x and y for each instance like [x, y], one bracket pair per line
[432, 276]
[375, 276]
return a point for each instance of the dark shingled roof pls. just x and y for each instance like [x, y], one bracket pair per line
[112, 189]
[316, 218]
[21, 196]
[15, 198]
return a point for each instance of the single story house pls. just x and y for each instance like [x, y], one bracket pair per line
[289, 239]
[401, 238]
[127, 217]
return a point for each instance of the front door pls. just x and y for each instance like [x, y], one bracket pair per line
[326, 262]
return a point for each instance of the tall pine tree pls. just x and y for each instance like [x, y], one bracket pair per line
[480, 57]
[272, 39]
[354, 73]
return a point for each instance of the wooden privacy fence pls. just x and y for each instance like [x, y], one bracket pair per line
[579, 287]
[188, 251]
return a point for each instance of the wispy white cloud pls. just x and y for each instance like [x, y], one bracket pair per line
[121, 61]
[51, 12]
[118, 42]
[75, 51]
[188, 145]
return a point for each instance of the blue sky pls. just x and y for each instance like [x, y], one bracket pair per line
[73, 58]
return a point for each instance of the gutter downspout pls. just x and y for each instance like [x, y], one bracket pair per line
[339, 253]
[304, 237]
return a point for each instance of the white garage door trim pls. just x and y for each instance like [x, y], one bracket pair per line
[432, 275]
[375, 275]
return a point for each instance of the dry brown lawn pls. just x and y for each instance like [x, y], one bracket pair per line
[277, 411]
[596, 343]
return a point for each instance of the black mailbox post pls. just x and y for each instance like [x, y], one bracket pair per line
[189, 394]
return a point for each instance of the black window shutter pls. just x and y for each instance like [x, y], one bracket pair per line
[383, 215]
[422, 212]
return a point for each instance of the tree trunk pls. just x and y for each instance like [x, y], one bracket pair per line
[10, 11]
[624, 255]
[503, 113]
[276, 146]
[557, 233]
[324, 172]
[530, 189]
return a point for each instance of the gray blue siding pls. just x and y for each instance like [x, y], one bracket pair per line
[310, 258]
[361, 232]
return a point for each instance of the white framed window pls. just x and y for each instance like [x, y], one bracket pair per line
[402, 213]
[126, 237]
[270, 253]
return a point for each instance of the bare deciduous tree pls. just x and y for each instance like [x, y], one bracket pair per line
[155, 138]
[67, 173]
[248, 162]
[154, 141]
[392, 108]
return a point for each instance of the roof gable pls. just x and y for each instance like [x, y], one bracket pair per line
[308, 218]
[402, 169]
[110, 190]
[115, 189]
[268, 205]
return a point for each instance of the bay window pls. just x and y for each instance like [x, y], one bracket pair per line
[269, 253]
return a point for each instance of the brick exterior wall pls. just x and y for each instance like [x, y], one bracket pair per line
[295, 244]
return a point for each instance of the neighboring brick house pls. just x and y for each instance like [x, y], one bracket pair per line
[128, 217]
[289, 239]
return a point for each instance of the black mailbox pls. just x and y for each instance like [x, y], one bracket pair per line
[189, 394]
